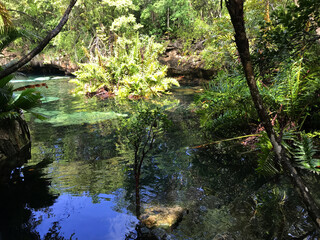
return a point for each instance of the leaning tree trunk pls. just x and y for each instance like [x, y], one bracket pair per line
[235, 8]
[14, 134]
[27, 58]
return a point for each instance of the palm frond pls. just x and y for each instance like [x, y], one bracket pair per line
[4, 14]
[38, 115]
[9, 115]
[28, 99]
[8, 35]
[5, 80]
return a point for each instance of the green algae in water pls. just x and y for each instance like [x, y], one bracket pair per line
[49, 99]
[57, 118]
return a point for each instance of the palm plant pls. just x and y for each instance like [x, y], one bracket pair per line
[7, 31]
[11, 104]
[4, 14]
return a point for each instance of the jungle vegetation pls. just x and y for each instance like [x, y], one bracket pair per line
[117, 43]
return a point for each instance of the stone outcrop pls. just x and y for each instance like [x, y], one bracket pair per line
[164, 217]
[15, 145]
[188, 66]
[41, 64]
[46, 65]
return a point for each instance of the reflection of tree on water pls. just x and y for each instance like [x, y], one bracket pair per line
[27, 190]
[227, 198]
[139, 134]
[140, 234]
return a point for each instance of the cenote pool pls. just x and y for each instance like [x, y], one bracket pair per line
[79, 182]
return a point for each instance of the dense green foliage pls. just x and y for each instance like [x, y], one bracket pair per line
[160, 17]
[131, 70]
[226, 103]
[285, 49]
[11, 104]
[113, 55]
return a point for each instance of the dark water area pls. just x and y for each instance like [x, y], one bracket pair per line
[79, 183]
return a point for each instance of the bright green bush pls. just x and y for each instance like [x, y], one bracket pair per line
[133, 69]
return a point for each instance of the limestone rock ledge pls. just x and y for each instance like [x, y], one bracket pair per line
[15, 145]
[190, 67]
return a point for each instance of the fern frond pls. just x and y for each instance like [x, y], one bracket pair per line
[266, 157]
[304, 154]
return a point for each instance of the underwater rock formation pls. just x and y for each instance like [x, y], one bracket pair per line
[164, 217]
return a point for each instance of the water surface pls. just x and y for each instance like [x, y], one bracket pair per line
[79, 182]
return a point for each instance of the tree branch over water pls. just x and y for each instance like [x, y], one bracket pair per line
[27, 58]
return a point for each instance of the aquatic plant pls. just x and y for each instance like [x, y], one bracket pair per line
[57, 118]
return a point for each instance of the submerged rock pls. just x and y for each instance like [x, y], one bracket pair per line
[164, 217]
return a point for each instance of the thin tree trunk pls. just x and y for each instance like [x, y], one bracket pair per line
[138, 201]
[137, 171]
[235, 8]
[27, 58]
[168, 18]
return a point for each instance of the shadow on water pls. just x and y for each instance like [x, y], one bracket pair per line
[27, 190]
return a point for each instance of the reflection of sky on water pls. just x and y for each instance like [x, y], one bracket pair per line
[88, 220]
